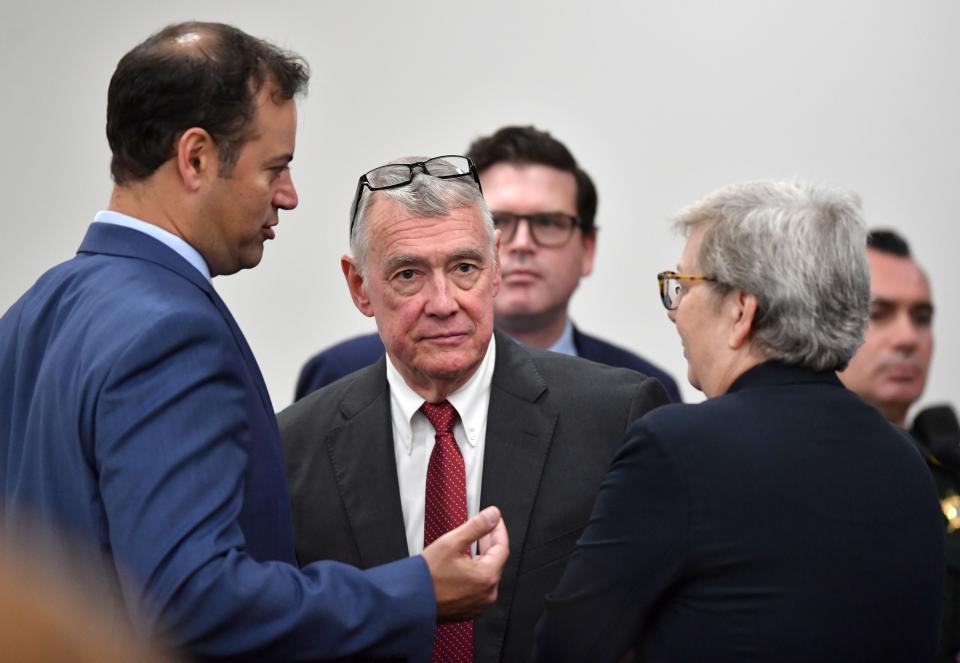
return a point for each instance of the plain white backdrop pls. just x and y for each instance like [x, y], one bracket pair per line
[662, 102]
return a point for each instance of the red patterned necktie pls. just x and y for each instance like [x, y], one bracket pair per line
[445, 508]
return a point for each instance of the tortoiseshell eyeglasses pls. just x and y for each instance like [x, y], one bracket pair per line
[671, 287]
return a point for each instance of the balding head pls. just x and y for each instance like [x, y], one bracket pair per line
[192, 74]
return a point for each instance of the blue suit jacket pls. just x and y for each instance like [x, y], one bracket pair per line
[783, 521]
[133, 414]
[356, 353]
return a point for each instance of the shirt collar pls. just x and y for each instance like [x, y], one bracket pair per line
[175, 243]
[471, 400]
[565, 345]
[776, 373]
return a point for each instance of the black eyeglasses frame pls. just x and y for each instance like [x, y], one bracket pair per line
[423, 166]
[574, 220]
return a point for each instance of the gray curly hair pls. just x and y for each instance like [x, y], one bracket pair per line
[800, 249]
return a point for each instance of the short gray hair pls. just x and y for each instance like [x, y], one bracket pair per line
[800, 249]
[424, 196]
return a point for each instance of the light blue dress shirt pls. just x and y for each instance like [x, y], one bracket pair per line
[564, 345]
[175, 243]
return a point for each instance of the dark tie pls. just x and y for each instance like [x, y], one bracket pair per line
[445, 508]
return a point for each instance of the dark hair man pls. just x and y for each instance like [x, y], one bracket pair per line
[545, 206]
[133, 414]
[890, 370]
[455, 416]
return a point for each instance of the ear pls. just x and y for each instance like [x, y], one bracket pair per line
[743, 311]
[589, 251]
[197, 158]
[496, 263]
[356, 285]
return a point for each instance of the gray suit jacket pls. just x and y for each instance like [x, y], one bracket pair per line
[554, 424]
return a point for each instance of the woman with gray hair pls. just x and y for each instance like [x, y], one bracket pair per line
[782, 519]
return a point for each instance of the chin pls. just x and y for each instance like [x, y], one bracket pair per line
[449, 366]
[514, 310]
[905, 396]
[445, 373]
[516, 297]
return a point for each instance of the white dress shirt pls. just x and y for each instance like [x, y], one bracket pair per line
[414, 437]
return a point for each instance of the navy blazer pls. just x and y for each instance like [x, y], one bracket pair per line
[356, 353]
[133, 414]
[783, 521]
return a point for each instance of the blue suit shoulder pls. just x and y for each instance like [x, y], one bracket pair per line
[101, 304]
[337, 361]
[595, 349]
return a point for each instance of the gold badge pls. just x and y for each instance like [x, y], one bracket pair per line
[950, 505]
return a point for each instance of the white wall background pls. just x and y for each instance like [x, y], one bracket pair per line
[662, 102]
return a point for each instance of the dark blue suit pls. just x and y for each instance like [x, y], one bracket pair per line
[783, 521]
[133, 414]
[356, 353]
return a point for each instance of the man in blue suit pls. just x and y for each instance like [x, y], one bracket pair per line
[133, 414]
[544, 205]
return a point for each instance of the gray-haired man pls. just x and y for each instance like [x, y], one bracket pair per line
[375, 471]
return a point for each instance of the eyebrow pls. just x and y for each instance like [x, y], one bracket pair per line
[469, 254]
[525, 215]
[401, 261]
[885, 303]
[284, 159]
[394, 263]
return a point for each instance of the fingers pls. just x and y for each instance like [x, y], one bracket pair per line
[481, 524]
[463, 587]
[495, 546]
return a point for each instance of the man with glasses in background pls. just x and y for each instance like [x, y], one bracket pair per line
[544, 205]
[455, 416]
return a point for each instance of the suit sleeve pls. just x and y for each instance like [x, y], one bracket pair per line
[649, 395]
[672, 389]
[171, 437]
[629, 555]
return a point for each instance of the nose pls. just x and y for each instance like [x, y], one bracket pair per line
[672, 314]
[522, 240]
[905, 332]
[286, 195]
[441, 300]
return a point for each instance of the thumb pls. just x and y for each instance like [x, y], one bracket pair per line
[480, 525]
